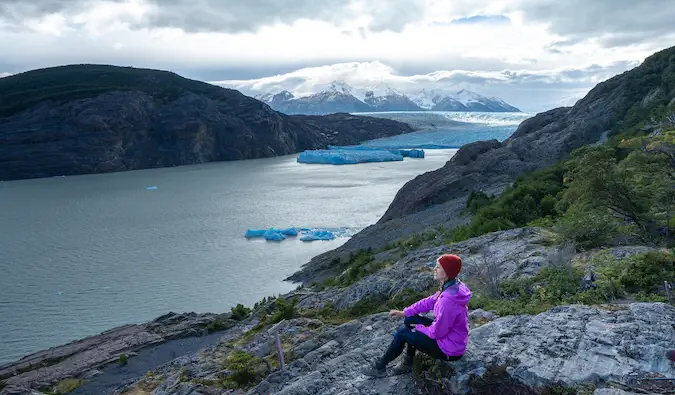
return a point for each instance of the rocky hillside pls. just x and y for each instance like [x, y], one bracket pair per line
[331, 330]
[94, 119]
[438, 198]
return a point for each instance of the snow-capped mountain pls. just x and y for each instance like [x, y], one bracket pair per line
[335, 97]
[384, 98]
[464, 100]
[341, 97]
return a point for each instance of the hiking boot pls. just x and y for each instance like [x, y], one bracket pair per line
[404, 365]
[373, 371]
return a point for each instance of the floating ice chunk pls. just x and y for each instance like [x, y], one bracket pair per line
[255, 233]
[347, 156]
[413, 153]
[318, 234]
[151, 188]
[273, 235]
[288, 231]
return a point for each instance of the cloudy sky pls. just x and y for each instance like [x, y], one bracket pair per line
[532, 53]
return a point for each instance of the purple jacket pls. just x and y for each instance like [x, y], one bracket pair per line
[450, 329]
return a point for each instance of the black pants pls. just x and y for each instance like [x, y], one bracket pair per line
[415, 341]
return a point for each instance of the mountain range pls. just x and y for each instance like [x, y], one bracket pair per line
[341, 97]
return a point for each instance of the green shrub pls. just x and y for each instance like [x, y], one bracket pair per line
[530, 198]
[239, 312]
[245, 370]
[640, 276]
[646, 273]
[123, 359]
[219, 324]
[588, 228]
[284, 310]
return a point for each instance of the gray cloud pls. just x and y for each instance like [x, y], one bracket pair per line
[613, 22]
[233, 16]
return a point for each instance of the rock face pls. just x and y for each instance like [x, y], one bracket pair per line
[517, 253]
[75, 359]
[438, 197]
[577, 344]
[134, 119]
[568, 346]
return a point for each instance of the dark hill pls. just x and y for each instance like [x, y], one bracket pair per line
[83, 119]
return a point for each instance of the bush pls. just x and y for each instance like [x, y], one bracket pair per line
[587, 228]
[530, 198]
[245, 370]
[284, 310]
[640, 276]
[239, 312]
[646, 273]
[124, 360]
[360, 264]
[219, 324]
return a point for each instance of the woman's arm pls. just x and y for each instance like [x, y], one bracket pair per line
[442, 324]
[422, 306]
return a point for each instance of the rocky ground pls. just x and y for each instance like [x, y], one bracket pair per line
[608, 350]
[83, 358]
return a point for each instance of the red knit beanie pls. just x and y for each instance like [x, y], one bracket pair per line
[451, 264]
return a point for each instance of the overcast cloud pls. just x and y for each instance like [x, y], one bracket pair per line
[529, 52]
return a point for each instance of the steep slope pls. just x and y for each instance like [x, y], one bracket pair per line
[94, 118]
[623, 102]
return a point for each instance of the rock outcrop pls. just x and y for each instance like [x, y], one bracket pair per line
[438, 197]
[95, 119]
[569, 346]
[84, 356]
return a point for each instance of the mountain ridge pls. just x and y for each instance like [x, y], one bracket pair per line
[339, 96]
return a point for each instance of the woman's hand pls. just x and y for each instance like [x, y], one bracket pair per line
[396, 313]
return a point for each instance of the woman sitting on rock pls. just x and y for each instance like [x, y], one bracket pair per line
[444, 337]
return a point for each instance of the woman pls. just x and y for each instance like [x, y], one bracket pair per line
[444, 337]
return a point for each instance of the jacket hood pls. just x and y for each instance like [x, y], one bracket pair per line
[458, 293]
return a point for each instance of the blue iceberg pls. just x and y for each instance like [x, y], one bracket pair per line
[306, 234]
[254, 233]
[339, 156]
[288, 231]
[318, 234]
[412, 153]
[273, 235]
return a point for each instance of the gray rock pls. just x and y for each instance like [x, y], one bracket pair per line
[482, 315]
[18, 390]
[512, 253]
[612, 391]
[81, 358]
[573, 345]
